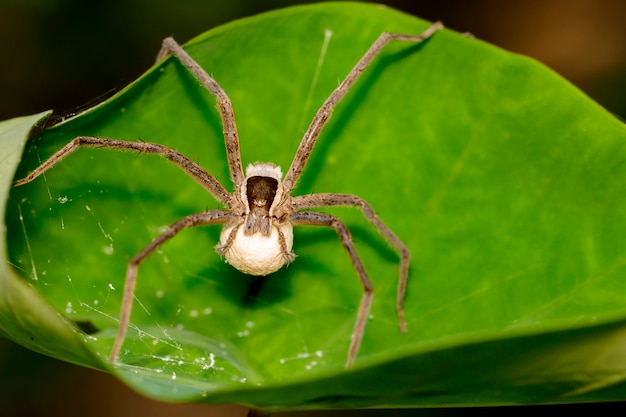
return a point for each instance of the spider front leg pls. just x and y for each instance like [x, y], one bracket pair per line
[224, 105]
[323, 113]
[198, 219]
[321, 219]
[332, 199]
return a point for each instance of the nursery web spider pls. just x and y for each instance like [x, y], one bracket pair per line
[257, 235]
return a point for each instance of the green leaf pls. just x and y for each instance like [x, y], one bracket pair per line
[24, 315]
[505, 181]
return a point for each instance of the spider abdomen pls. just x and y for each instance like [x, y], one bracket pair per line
[258, 254]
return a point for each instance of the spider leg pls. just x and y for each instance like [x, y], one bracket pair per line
[198, 219]
[331, 199]
[191, 168]
[324, 112]
[322, 219]
[224, 105]
[222, 249]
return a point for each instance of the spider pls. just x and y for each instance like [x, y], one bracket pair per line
[257, 234]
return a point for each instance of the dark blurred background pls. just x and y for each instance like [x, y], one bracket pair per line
[62, 54]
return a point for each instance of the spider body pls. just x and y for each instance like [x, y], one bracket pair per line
[259, 240]
[257, 235]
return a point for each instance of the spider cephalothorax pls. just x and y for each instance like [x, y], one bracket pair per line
[258, 235]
